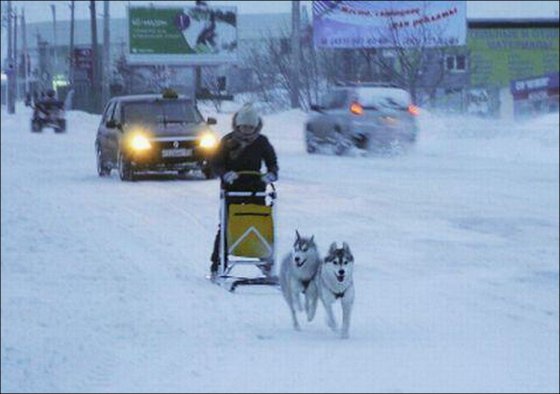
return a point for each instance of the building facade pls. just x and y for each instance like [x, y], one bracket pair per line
[475, 78]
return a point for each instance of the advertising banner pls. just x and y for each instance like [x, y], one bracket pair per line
[527, 85]
[182, 35]
[501, 55]
[83, 64]
[389, 24]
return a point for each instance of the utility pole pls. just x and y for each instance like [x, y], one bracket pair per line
[25, 54]
[295, 54]
[71, 57]
[95, 57]
[11, 66]
[55, 65]
[44, 61]
[16, 87]
[106, 54]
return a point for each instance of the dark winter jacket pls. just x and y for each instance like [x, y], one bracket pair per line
[47, 104]
[250, 159]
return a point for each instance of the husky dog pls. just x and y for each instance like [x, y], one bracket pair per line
[297, 271]
[334, 281]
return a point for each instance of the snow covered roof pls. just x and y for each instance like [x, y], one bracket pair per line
[513, 22]
[148, 97]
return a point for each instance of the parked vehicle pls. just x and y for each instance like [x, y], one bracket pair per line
[154, 132]
[373, 117]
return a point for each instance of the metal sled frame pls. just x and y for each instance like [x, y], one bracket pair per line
[226, 263]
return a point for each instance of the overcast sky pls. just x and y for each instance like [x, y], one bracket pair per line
[36, 11]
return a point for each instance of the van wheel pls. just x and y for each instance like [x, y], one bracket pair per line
[310, 144]
[125, 169]
[61, 126]
[340, 148]
[208, 172]
[102, 169]
[362, 141]
[36, 126]
[340, 141]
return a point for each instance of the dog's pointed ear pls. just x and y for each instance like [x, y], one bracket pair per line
[347, 251]
[312, 238]
[332, 248]
[298, 237]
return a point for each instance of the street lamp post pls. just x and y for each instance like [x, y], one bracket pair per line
[10, 70]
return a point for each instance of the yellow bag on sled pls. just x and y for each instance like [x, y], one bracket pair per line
[250, 231]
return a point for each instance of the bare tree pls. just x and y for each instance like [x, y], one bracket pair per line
[413, 59]
[273, 70]
[214, 83]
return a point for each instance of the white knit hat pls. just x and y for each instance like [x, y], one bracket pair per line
[247, 116]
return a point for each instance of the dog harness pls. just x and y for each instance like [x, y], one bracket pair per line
[306, 284]
[339, 295]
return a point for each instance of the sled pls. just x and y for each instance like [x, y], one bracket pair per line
[247, 236]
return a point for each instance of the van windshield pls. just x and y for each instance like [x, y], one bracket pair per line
[159, 111]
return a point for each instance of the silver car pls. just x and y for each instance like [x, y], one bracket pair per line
[368, 117]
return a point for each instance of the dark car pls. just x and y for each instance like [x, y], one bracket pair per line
[367, 116]
[155, 132]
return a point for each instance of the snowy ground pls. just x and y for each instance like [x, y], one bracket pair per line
[456, 248]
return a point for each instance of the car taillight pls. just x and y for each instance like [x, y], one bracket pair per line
[356, 108]
[413, 110]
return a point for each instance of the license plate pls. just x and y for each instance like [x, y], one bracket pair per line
[182, 152]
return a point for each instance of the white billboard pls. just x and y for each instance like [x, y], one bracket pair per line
[386, 24]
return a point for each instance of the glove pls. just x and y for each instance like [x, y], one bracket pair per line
[269, 177]
[230, 177]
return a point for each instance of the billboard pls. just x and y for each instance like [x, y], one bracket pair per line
[387, 24]
[527, 86]
[83, 64]
[499, 55]
[182, 35]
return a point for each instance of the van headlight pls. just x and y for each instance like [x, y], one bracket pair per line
[208, 141]
[140, 142]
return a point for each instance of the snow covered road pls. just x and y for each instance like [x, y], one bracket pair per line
[456, 248]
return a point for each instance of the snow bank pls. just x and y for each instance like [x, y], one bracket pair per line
[535, 140]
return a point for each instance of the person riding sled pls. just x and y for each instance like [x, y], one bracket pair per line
[243, 149]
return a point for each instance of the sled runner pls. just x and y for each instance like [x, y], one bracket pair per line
[247, 236]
